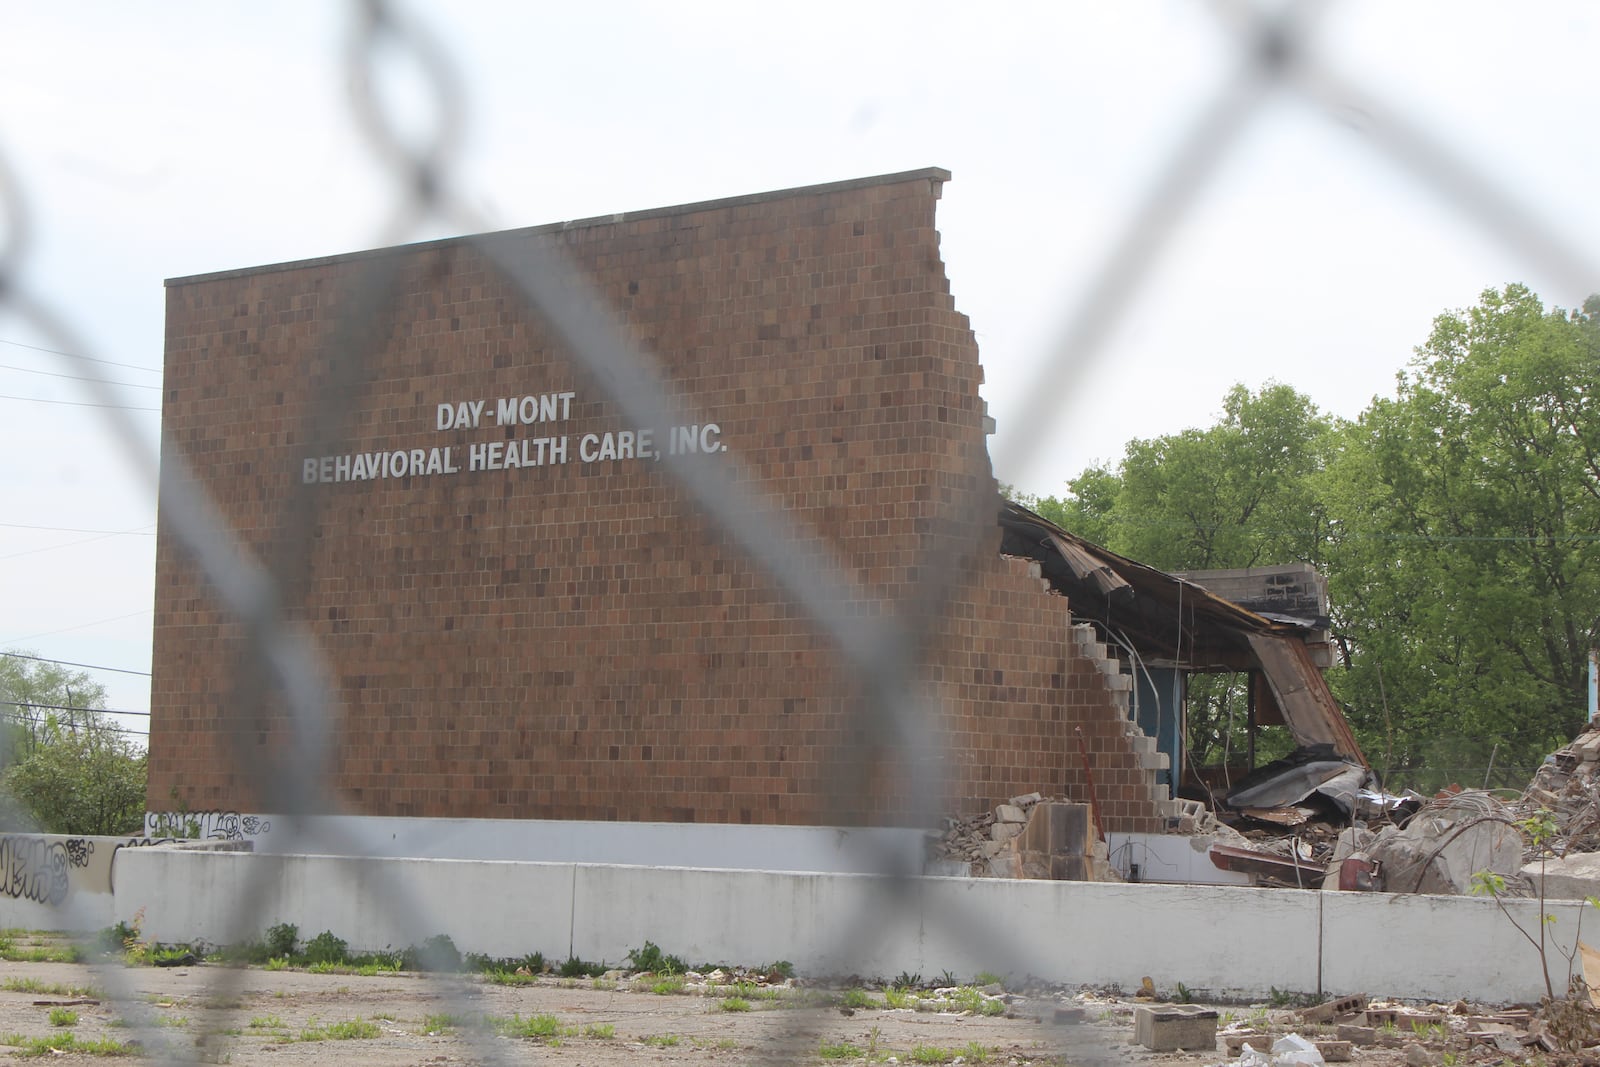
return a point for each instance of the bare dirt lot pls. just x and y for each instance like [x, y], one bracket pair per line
[248, 1016]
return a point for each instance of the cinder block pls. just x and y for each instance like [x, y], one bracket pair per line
[1165, 1027]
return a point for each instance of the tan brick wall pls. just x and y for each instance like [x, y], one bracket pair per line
[575, 640]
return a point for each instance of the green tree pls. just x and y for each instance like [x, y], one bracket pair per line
[1466, 558]
[1239, 493]
[68, 769]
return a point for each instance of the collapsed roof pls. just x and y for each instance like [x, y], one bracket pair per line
[1172, 622]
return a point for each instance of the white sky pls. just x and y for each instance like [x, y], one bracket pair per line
[153, 141]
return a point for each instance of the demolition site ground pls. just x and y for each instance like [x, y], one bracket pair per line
[214, 1013]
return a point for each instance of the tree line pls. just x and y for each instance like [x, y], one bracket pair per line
[67, 768]
[1457, 522]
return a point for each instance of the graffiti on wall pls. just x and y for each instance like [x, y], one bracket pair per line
[204, 825]
[39, 868]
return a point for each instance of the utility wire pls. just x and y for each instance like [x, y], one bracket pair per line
[140, 532]
[91, 359]
[75, 377]
[74, 403]
[64, 707]
[69, 663]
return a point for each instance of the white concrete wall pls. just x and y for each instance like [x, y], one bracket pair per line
[860, 850]
[1222, 940]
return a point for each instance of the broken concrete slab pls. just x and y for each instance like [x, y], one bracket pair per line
[1167, 1027]
[1575, 876]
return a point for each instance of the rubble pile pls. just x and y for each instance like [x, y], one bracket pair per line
[1568, 786]
[1029, 836]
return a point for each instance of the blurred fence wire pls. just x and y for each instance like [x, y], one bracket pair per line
[1275, 56]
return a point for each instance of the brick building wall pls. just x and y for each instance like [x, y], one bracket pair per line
[569, 637]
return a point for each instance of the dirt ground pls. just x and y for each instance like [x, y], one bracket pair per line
[254, 1016]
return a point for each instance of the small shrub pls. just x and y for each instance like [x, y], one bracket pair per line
[576, 968]
[650, 958]
[438, 954]
[326, 947]
[282, 940]
[778, 971]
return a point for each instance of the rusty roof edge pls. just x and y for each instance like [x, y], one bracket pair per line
[1245, 617]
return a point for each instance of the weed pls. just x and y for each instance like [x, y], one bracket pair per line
[988, 978]
[266, 1022]
[600, 1031]
[668, 986]
[442, 1023]
[277, 963]
[174, 1022]
[843, 1050]
[1283, 998]
[973, 1052]
[858, 998]
[1451, 1059]
[10, 950]
[349, 1030]
[606, 985]
[908, 981]
[735, 1004]
[1183, 995]
[576, 968]
[895, 997]
[63, 1017]
[541, 1026]
[510, 978]
[54, 989]
[661, 1040]
[931, 1054]
[947, 979]
[326, 947]
[651, 959]
[65, 1042]
[778, 971]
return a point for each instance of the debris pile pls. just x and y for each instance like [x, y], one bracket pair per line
[1027, 837]
[1567, 785]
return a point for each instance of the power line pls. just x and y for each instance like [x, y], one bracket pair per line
[74, 403]
[73, 355]
[140, 532]
[79, 626]
[75, 377]
[86, 666]
[64, 707]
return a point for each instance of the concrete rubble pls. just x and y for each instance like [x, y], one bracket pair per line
[1350, 1028]
[1027, 837]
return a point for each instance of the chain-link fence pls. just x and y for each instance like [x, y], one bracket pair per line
[1273, 60]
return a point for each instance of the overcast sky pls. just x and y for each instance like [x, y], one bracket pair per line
[153, 141]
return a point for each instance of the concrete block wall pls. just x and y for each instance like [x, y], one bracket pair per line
[1219, 941]
[572, 639]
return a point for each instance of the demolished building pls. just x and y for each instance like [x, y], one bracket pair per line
[525, 619]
